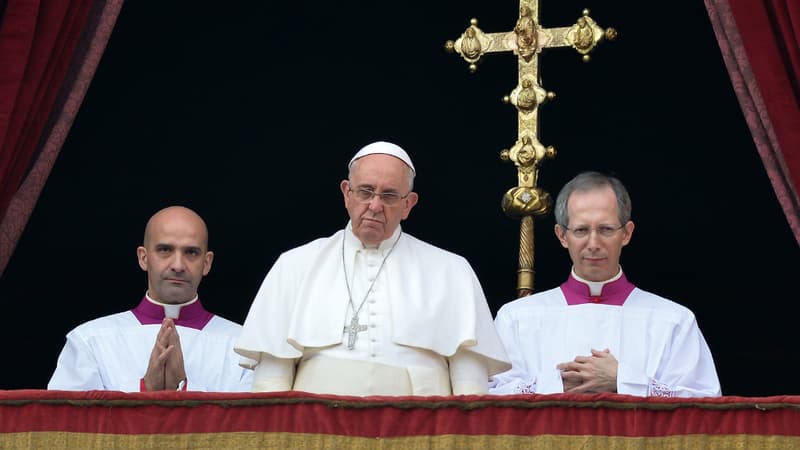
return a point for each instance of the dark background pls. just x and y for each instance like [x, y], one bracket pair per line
[250, 112]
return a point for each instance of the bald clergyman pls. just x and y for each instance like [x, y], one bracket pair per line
[169, 341]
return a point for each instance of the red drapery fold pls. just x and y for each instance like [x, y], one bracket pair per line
[760, 43]
[37, 41]
[49, 50]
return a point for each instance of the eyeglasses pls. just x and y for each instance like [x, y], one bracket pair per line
[365, 195]
[603, 230]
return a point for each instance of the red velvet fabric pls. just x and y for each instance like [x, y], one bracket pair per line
[37, 40]
[384, 417]
[49, 51]
[760, 42]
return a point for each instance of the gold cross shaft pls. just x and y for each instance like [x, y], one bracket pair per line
[526, 41]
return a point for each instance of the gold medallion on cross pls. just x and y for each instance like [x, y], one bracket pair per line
[527, 40]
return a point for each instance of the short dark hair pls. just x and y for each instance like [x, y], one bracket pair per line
[589, 181]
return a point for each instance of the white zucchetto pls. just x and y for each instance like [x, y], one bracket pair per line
[386, 148]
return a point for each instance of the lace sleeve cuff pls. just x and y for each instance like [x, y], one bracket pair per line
[658, 389]
[512, 386]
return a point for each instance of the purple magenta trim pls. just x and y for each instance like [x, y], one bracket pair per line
[192, 316]
[613, 293]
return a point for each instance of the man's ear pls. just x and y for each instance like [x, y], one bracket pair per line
[141, 254]
[628, 232]
[209, 258]
[561, 234]
[410, 201]
[345, 187]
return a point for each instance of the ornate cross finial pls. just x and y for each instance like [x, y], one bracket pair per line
[526, 41]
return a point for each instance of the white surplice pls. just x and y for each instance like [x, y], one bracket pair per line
[112, 353]
[657, 343]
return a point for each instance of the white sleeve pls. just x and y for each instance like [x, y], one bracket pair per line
[244, 383]
[517, 380]
[631, 380]
[77, 370]
[469, 373]
[231, 379]
[687, 369]
[273, 374]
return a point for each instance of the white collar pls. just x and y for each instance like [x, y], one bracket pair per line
[170, 311]
[353, 244]
[596, 287]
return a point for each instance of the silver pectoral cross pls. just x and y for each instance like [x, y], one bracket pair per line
[352, 331]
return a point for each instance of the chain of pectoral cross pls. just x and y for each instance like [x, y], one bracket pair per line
[354, 328]
[527, 40]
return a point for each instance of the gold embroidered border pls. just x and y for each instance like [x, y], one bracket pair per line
[246, 440]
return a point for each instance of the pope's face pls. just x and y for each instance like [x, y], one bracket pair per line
[175, 255]
[374, 221]
[594, 257]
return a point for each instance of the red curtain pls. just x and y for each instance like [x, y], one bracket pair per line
[760, 43]
[49, 50]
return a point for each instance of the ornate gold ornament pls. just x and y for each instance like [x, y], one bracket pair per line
[527, 40]
[585, 34]
[528, 96]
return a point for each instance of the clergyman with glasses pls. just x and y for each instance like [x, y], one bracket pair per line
[597, 332]
[372, 310]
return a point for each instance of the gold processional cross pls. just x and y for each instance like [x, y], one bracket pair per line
[526, 41]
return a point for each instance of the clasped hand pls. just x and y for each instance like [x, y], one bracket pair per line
[165, 369]
[595, 373]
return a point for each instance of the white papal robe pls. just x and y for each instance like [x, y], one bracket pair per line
[657, 343]
[425, 308]
[112, 352]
